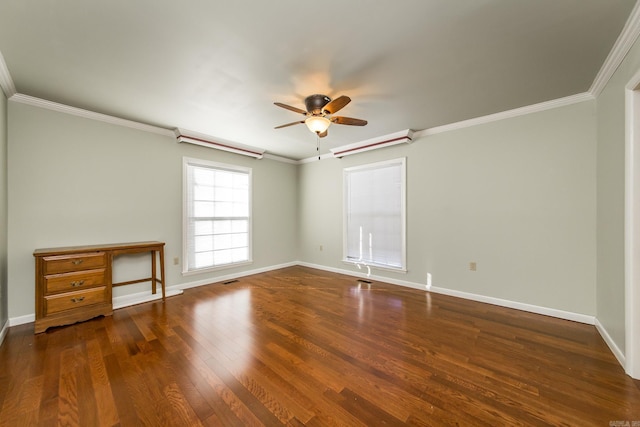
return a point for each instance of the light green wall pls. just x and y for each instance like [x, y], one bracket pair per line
[75, 181]
[611, 201]
[3, 210]
[517, 196]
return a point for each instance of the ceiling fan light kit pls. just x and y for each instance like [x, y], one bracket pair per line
[319, 113]
[317, 124]
[318, 119]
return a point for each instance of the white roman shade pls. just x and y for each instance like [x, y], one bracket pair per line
[374, 214]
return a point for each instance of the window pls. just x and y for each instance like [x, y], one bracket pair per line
[374, 214]
[217, 215]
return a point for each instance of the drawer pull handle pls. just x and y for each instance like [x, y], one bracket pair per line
[76, 262]
[77, 299]
[77, 283]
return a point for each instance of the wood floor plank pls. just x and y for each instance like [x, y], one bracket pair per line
[299, 346]
[68, 408]
[122, 400]
[106, 408]
[200, 358]
[207, 404]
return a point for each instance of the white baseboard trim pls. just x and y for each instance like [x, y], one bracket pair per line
[233, 276]
[118, 302]
[3, 332]
[546, 311]
[619, 354]
[128, 300]
[560, 314]
[21, 320]
[362, 275]
[142, 297]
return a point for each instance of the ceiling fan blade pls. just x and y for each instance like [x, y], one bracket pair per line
[289, 124]
[336, 105]
[289, 107]
[323, 134]
[348, 121]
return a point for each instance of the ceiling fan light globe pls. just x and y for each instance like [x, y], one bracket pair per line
[317, 124]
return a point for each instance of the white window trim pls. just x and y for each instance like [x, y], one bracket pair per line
[403, 194]
[187, 161]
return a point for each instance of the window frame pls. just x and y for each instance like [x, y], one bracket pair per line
[402, 162]
[188, 162]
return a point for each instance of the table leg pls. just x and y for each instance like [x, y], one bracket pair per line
[153, 272]
[162, 270]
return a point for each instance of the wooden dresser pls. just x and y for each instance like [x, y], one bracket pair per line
[74, 283]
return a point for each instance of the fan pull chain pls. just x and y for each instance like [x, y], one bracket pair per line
[318, 144]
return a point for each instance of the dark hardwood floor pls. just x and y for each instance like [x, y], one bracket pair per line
[305, 347]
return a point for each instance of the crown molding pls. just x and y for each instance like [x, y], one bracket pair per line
[6, 82]
[315, 158]
[280, 159]
[623, 44]
[42, 103]
[522, 111]
[621, 47]
[62, 108]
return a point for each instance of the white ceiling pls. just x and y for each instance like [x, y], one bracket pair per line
[216, 67]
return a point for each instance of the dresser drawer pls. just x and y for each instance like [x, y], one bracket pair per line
[74, 281]
[76, 262]
[73, 300]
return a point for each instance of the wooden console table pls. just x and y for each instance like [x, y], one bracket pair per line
[74, 283]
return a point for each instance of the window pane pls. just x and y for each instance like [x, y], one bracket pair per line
[239, 254]
[222, 227]
[240, 195]
[203, 227]
[203, 209]
[224, 178]
[239, 226]
[202, 176]
[239, 209]
[223, 257]
[224, 194]
[203, 243]
[222, 241]
[223, 209]
[203, 259]
[241, 180]
[239, 240]
[203, 192]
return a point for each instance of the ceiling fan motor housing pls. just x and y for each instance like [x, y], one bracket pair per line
[314, 103]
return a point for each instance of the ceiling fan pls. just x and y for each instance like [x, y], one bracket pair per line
[319, 113]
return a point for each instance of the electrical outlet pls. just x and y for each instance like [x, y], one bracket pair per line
[176, 261]
[473, 266]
